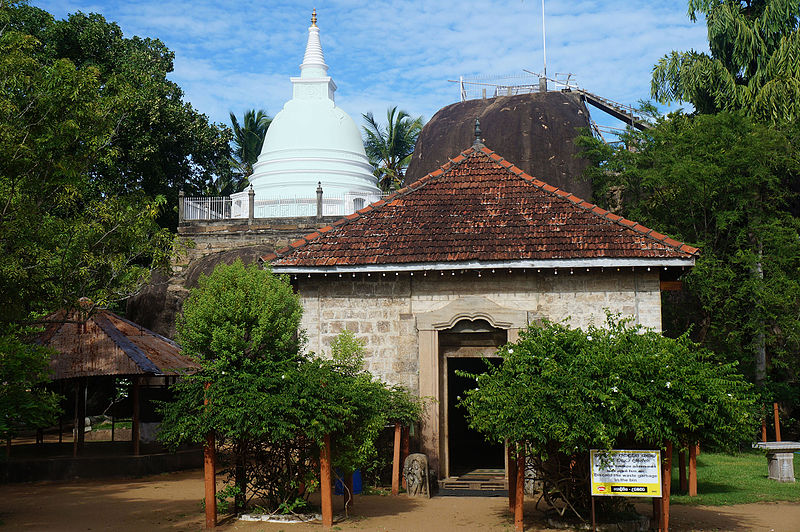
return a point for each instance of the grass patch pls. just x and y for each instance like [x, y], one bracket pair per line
[724, 479]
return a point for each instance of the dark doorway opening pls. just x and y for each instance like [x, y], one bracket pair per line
[467, 448]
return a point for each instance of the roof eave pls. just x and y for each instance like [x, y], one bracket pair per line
[602, 262]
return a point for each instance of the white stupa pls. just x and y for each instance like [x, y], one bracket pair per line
[311, 142]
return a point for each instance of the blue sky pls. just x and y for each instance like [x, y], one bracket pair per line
[233, 56]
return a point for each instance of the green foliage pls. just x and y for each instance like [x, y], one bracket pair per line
[726, 184]
[607, 387]
[24, 369]
[269, 405]
[752, 66]
[148, 140]
[389, 147]
[561, 392]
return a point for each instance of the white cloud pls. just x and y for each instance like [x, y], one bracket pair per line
[231, 56]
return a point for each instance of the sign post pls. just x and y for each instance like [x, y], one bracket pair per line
[625, 473]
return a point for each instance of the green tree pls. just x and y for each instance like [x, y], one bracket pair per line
[722, 183]
[159, 143]
[560, 392]
[266, 401]
[64, 234]
[389, 147]
[248, 138]
[752, 66]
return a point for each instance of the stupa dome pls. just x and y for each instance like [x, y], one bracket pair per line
[311, 141]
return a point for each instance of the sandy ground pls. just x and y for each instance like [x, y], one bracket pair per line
[171, 502]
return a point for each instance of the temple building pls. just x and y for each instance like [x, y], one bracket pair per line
[311, 143]
[449, 268]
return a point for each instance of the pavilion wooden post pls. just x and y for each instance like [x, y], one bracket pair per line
[135, 420]
[682, 471]
[396, 460]
[404, 452]
[81, 387]
[693, 469]
[666, 486]
[519, 497]
[325, 483]
[512, 479]
[763, 429]
[210, 474]
[777, 422]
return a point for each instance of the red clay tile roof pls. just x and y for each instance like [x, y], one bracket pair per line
[478, 207]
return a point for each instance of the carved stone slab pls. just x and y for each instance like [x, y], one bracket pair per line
[415, 471]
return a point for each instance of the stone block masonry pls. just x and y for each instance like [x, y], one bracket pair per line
[383, 310]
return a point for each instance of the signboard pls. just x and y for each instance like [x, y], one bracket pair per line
[624, 473]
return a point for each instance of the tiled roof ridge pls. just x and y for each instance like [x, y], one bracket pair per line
[377, 205]
[480, 149]
[588, 206]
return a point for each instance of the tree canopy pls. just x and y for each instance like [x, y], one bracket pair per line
[560, 392]
[153, 143]
[389, 147]
[752, 65]
[269, 401]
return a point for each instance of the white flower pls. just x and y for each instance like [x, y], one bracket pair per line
[458, 397]
[510, 351]
[283, 376]
[614, 389]
[669, 384]
[589, 338]
[729, 395]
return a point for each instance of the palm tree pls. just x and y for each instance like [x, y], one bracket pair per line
[248, 139]
[752, 65]
[389, 147]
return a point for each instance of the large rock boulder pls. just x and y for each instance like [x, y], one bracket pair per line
[534, 131]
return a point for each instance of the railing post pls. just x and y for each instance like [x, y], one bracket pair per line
[180, 205]
[251, 205]
[319, 200]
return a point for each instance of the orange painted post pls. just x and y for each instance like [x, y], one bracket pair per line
[210, 475]
[682, 471]
[777, 422]
[666, 486]
[396, 460]
[693, 470]
[325, 483]
[404, 452]
[512, 481]
[763, 429]
[519, 498]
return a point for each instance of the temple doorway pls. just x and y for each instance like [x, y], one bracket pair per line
[464, 348]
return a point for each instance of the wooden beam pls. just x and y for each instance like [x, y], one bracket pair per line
[325, 483]
[512, 479]
[682, 471]
[396, 460]
[777, 422]
[671, 286]
[763, 429]
[519, 497]
[404, 452]
[210, 474]
[693, 469]
[666, 486]
[135, 420]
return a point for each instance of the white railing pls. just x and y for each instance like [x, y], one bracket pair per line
[237, 206]
[211, 208]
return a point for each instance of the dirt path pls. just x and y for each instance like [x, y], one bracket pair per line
[171, 502]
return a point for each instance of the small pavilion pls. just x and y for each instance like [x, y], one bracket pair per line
[103, 344]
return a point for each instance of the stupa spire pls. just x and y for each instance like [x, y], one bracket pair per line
[313, 61]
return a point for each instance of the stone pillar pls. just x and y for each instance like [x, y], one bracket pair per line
[319, 200]
[180, 205]
[251, 205]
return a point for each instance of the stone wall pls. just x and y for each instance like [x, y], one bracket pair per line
[383, 310]
[199, 248]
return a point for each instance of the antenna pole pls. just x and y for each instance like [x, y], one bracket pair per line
[544, 42]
